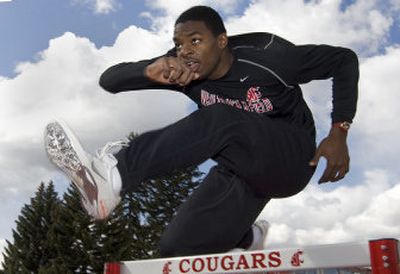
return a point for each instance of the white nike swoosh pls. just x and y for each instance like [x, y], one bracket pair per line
[244, 78]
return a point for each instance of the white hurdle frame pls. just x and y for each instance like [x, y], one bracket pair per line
[379, 256]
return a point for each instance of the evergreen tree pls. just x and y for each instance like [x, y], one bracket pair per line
[56, 266]
[134, 229]
[111, 240]
[31, 249]
[71, 235]
[152, 207]
[54, 236]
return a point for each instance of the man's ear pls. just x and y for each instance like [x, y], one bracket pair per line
[222, 40]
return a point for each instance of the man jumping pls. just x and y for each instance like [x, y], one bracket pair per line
[252, 121]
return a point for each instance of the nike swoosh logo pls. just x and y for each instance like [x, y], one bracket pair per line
[244, 78]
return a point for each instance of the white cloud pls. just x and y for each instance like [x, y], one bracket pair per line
[395, 4]
[378, 87]
[99, 6]
[64, 84]
[362, 25]
[172, 9]
[105, 6]
[348, 213]
[377, 123]
[5, 0]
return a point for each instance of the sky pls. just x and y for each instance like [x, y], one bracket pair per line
[53, 52]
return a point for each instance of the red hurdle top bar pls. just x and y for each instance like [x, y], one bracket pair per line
[382, 256]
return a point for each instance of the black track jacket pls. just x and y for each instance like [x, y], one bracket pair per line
[264, 78]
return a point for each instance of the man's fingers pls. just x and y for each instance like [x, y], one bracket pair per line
[334, 172]
[170, 69]
[185, 78]
[341, 173]
[166, 70]
[182, 76]
[329, 170]
[175, 72]
[191, 76]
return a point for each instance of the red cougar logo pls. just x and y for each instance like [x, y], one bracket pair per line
[296, 258]
[253, 95]
[166, 268]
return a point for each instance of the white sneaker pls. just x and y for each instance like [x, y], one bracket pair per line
[260, 231]
[94, 176]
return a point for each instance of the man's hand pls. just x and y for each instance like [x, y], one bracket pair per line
[169, 71]
[334, 149]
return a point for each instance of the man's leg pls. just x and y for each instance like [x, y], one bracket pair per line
[217, 217]
[272, 156]
[190, 141]
[254, 147]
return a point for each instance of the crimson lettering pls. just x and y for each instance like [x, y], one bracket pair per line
[209, 266]
[207, 99]
[242, 263]
[268, 104]
[274, 259]
[198, 265]
[181, 269]
[220, 100]
[254, 102]
[229, 265]
[258, 258]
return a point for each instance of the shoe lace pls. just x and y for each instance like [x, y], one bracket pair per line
[111, 147]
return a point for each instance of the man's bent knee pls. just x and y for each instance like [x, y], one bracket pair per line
[171, 248]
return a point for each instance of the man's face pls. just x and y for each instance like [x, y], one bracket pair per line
[199, 49]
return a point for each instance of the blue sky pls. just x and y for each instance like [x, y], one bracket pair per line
[24, 34]
[52, 52]
[27, 26]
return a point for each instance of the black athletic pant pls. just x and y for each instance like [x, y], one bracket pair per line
[258, 158]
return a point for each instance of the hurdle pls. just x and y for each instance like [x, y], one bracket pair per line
[380, 256]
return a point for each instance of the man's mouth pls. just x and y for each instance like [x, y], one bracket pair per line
[193, 65]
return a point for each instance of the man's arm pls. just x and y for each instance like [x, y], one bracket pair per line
[334, 148]
[168, 73]
[127, 76]
[164, 72]
[341, 64]
[258, 40]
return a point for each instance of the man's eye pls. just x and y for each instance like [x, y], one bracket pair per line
[178, 46]
[196, 41]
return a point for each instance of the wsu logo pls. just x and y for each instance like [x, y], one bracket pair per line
[296, 258]
[253, 95]
[252, 103]
[166, 268]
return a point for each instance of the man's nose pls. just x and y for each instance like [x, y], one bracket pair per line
[186, 50]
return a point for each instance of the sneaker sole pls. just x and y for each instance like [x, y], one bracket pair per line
[64, 150]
